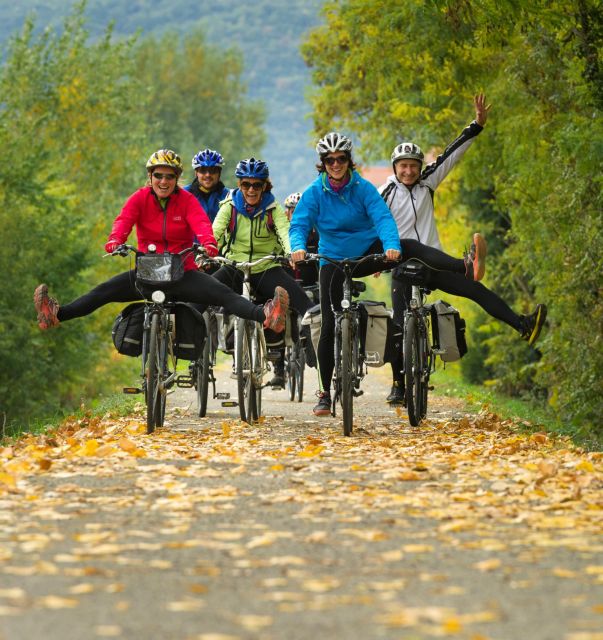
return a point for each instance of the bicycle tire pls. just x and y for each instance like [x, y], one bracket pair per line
[203, 375]
[152, 373]
[290, 366]
[246, 397]
[257, 352]
[162, 368]
[300, 367]
[413, 370]
[347, 376]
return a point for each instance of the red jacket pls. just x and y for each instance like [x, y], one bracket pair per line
[171, 230]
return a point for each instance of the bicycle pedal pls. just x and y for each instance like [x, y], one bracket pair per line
[273, 356]
[230, 403]
[357, 392]
[431, 388]
[131, 390]
[185, 382]
[222, 395]
[372, 357]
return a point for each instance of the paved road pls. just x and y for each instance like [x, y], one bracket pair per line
[211, 529]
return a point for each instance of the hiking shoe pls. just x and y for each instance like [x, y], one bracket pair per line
[396, 395]
[532, 325]
[46, 307]
[475, 260]
[275, 310]
[323, 408]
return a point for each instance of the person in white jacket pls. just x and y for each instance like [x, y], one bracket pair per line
[409, 194]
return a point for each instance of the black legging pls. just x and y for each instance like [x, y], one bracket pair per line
[264, 283]
[446, 273]
[195, 286]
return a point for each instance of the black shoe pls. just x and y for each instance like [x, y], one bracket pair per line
[396, 395]
[532, 325]
[323, 408]
[278, 379]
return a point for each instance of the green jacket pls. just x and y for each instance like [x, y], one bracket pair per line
[253, 238]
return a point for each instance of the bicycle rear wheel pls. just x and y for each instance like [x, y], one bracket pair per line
[413, 370]
[258, 351]
[244, 371]
[347, 376]
[290, 367]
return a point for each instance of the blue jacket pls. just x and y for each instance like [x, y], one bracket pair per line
[209, 201]
[347, 222]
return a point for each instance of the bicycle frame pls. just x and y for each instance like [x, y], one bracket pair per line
[259, 352]
[349, 369]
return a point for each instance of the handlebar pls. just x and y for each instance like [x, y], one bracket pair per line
[343, 262]
[124, 249]
[244, 265]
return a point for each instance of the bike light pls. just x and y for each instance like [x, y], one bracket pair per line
[152, 248]
[345, 304]
[158, 296]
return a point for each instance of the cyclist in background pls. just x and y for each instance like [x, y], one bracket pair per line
[251, 224]
[207, 185]
[353, 220]
[306, 272]
[168, 217]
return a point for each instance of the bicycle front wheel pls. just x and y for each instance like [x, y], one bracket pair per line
[244, 371]
[300, 362]
[153, 373]
[347, 376]
[290, 367]
[413, 370]
[203, 374]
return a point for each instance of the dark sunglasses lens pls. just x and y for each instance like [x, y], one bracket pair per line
[251, 185]
[211, 170]
[339, 159]
[167, 176]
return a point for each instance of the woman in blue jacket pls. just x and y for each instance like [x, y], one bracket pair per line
[353, 220]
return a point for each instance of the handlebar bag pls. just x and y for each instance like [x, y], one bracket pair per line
[156, 269]
[127, 330]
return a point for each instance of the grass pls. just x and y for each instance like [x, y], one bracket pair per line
[529, 416]
[117, 404]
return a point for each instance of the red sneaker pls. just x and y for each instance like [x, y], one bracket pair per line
[475, 260]
[275, 310]
[46, 307]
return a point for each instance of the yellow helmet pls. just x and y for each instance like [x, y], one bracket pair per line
[165, 158]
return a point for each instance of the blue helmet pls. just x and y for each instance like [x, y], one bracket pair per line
[252, 168]
[208, 158]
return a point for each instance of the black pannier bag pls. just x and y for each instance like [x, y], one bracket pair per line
[127, 330]
[380, 337]
[190, 332]
[448, 330]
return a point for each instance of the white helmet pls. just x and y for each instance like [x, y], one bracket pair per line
[407, 151]
[333, 142]
[292, 199]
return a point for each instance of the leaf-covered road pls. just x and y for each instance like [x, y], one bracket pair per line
[215, 530]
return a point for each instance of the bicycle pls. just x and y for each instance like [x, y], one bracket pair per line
[419, 355]
[251, 352]
[349, 367]
[158, 371]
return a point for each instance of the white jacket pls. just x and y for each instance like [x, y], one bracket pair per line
[412, 207]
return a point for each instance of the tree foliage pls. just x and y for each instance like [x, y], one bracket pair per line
[533, 180]
[79, 118]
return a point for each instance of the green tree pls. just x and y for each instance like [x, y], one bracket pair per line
[406, 70]
[196, 98]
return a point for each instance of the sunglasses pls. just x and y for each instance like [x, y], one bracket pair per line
[330, 160]
[167, 176]
[211, 170]
[251, 185]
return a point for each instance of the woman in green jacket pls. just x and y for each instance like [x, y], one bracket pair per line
[250, 224]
